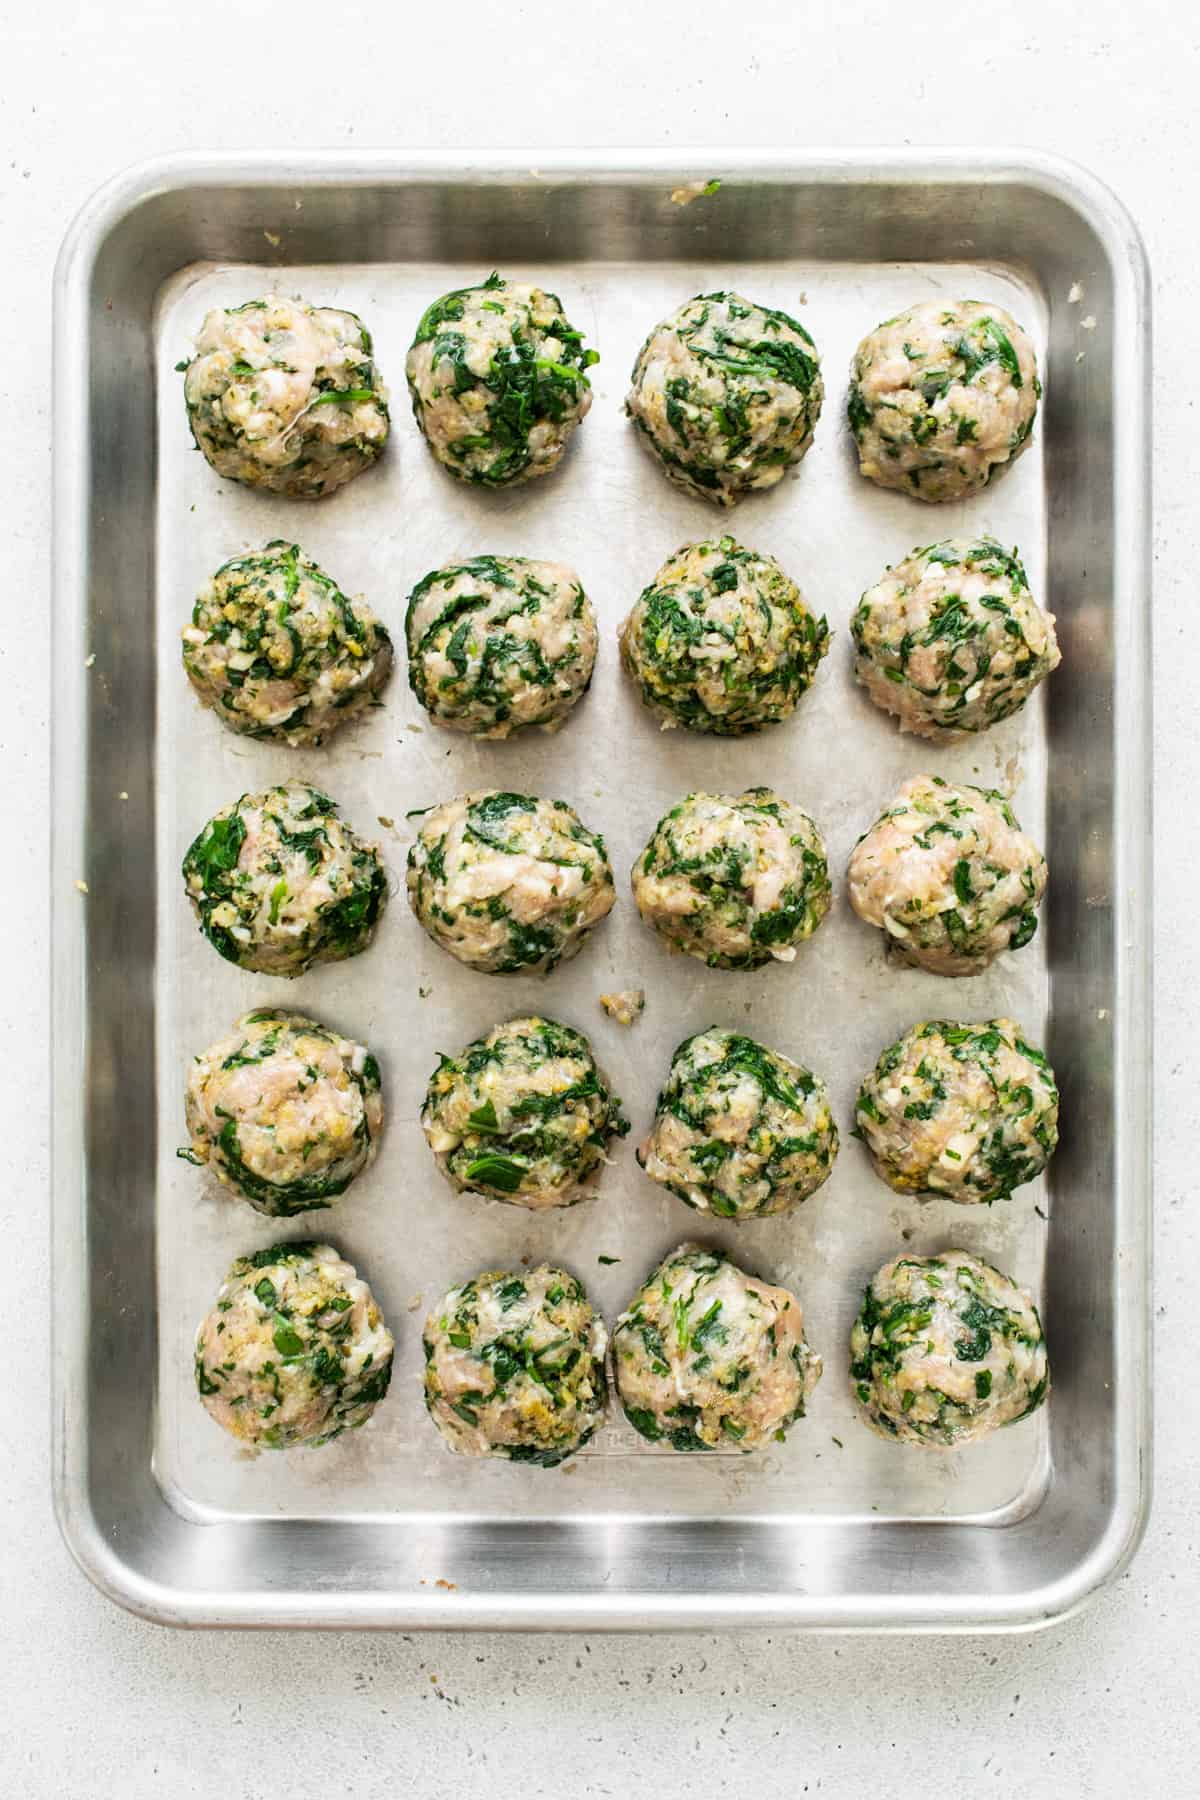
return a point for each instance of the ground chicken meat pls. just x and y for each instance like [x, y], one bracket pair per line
[284, 1111]
[959, 1112]
[508, 882]
[734, 880]
[941, 397]
[286, 396]
[726, 395]
[498, 383]
[945, 1350]
[707, 1357]
[948, 876]
[295, 1351]
[523, 1114]
[499, 643]
[722, 641]
[739, 1131]
[279, 881]
[278, 651]
[514, 1366]
[951, 640]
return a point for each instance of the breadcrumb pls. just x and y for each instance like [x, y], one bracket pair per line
[626, 1007]
[694, 190]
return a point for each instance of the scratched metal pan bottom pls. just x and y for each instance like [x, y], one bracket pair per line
[833, 1529]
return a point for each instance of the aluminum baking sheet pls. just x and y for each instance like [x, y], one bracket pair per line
[835, 1526]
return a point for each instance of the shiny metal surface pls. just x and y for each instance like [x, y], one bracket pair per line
[834, 1530]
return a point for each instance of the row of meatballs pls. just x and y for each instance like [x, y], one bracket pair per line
[725, 393]
[510, 883]
[287, 1113]
[950, 640]
[945, 1350]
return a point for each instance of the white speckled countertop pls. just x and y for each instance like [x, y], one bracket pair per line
[94, 1703]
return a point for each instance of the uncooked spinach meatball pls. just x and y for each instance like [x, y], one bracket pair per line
[498, 643]
[514, 1366]
[948, 876]
[284, 1111]
[959, 1112]
[279, 881]
[739, 1131]
[496, 375]
[945, 1350]
[707, 1357]
[951, 640]
[286, 396]
[295, 1351]
[508, 882]
[941, 397]
[734, 879]
[726, 395]
[721, 640]
[278, 651]
[523, 1114]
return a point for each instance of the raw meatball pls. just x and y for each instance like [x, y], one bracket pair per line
[286, 396]
[278, 651]
[726, 394]
[946, 1349]
[948, 875]
[959, 1112]
[523, 1114]
[284, 1112]
[280, 882]
[498, 643]
[514, 1366]
[721, 640]
[508, 881]
[295, 1351]
[941, 397]
[496, 375]
[739, 1130]
[706, 1355]
[951, 639]
[734, 879]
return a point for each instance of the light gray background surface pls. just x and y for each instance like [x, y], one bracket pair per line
[93, 1703]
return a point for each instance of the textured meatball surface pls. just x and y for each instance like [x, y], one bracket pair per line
[295, 1351]
[523, 1114]
[277, 651]
[514, 1366]
[722, 641]
[948, 876]
[734, 880]
[497, 379]
[959, 1112]
[945, 1350]
[499, 643]
[739, 1131]
[707, 1357]
[279, 881]
[941, 397]
[726, 394]
[951, 640]
[285, 396]
[284, 1111]
[507, 882]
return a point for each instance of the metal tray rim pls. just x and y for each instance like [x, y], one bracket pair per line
[1113, 1548]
